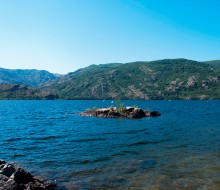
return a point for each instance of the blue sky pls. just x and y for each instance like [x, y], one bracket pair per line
[64, 35]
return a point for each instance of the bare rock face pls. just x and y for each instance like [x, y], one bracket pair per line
[191, 82]
[7, 170]
[127, 112]
[15, 178]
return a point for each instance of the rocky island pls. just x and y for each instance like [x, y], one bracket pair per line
[122, 112]
[15, 178]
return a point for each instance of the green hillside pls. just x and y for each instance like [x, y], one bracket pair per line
[30, 77]
[163, 79]
[23, 92]
[213, 62]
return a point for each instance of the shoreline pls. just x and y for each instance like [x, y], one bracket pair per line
[13, 177]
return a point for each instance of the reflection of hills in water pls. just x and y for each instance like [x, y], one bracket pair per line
[179, 150]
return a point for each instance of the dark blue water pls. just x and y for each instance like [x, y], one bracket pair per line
[179, 150]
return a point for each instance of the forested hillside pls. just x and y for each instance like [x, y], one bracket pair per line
[163, 79]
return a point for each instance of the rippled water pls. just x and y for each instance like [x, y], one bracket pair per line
[179, 150]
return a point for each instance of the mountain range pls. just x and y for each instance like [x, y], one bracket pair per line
[25, 84]
[30, 77]
[162, 79]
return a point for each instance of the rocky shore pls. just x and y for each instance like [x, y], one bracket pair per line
[15, 178]
[125, 112]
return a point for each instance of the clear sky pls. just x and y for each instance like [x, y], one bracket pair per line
[64, 35]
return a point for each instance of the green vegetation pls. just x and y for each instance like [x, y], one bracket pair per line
[23, 84]
[163, 79]
[213, 62]
[156, 80]
[31, 77]
[18, 92]
[120, 106]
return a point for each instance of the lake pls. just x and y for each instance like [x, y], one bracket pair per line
[178, 150]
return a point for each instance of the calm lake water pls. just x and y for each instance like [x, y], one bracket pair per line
[178, 150]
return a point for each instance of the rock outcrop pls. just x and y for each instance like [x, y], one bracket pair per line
[114, 112]
[15, 178]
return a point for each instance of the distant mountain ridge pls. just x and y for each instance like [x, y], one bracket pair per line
[213, 62]
[152, 80]
[29, 77]
[162, 79]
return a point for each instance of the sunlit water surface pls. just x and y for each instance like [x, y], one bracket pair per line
[178, 150]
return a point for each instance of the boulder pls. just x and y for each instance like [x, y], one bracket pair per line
[36, 185]
[51, 185]
[113, 113]
[12, 185]
[7, 170]
[21, 176]
[137, 113]
[15, 178]
[154, 113]
[3, 180]
[104, 110]
[129, 109]
[147, 113]
[2, 162]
